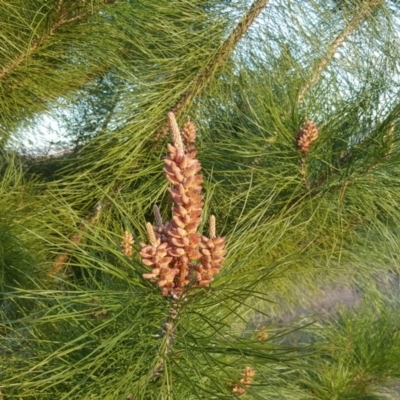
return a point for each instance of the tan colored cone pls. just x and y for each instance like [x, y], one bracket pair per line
[307, 134]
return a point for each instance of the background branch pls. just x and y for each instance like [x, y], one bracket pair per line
[366, 8]
[62, 20]
[217, 61]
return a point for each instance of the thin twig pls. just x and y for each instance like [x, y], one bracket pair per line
[168, 334]
[303, 172]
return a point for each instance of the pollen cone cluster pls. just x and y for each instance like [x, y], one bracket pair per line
[306, 135]
[262, 335]
[248, 375]
[177, 253]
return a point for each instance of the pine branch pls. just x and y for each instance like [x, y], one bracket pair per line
[63, 19]
[366, 8]
[217, 61]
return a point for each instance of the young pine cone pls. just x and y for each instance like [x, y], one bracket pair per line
[126, 244]
[306, 135]
[248, 375]
[189, 136]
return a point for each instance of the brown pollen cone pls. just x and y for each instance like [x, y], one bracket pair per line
[307, 134]
[212, 256]
[178, 253]
[212, 251]
[182, 171]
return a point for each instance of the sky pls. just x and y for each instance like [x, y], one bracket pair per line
[41, 137]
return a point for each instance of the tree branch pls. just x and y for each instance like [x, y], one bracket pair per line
[62, 20]
[333, 47]
[205, 76]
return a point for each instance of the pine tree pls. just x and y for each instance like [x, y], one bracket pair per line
[286, 131]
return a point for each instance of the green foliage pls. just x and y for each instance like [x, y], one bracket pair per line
[21, 253]
[357, 353]
[106, 323]
[297, 222]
